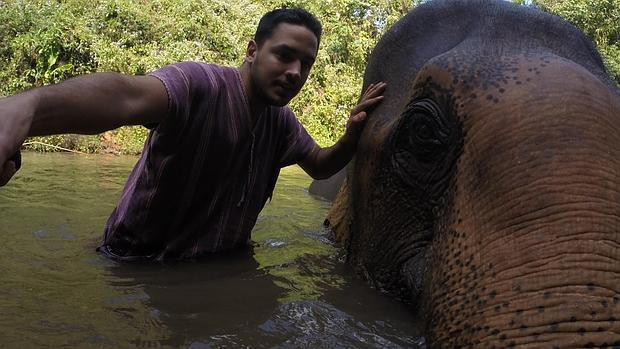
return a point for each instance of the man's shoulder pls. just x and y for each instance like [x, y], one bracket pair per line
[282, 112]
[215, 67]
[198, 67]
[209, 66]
[201, 75]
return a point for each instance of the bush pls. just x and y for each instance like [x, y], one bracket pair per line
[44, 42]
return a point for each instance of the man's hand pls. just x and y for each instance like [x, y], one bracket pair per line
[371, 97]
[88, 104]
[15, 121]
[322, 163]
[10, 168]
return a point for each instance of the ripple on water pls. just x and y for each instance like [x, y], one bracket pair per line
[274, 243]
[315, 324]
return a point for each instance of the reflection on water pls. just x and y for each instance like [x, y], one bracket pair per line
[289, 290]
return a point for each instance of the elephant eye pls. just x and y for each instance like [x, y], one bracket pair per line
[424, 145]
[422, 141]
[422, 132]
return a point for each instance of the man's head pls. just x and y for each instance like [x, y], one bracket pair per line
[296, 16]
[281, 55]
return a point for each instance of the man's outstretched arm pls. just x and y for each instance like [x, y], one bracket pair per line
[322, 163]
[87, 104]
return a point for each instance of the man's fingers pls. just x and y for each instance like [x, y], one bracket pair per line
[375, 89]
[371, 101]
[357, 121]
[17, 160]
[7, 171]
[361, 116]
[367, 104]
[372, 95]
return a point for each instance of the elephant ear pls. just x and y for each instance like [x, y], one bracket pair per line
[339, 217]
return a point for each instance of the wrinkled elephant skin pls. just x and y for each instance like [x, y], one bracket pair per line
[486, 187]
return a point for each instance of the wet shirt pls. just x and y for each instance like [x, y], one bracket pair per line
[204, 174]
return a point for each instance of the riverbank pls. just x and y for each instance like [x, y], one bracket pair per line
[122, 141]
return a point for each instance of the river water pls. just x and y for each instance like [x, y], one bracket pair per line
[292, 290]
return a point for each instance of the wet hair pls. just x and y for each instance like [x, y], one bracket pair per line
[297, 16]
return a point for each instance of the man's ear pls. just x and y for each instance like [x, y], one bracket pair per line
[250, 52]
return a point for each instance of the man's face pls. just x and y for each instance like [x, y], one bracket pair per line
[280, 66]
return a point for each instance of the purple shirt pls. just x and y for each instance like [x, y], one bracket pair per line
[204, 174]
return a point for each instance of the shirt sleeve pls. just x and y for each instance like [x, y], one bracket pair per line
[186, 84]
[298, 143]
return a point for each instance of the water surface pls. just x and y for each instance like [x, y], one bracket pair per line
[290, 291]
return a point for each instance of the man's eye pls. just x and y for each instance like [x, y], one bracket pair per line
[286, 57]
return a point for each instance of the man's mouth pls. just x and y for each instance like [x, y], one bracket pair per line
[286, 86]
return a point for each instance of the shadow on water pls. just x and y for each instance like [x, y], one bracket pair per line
[206, 301]
[291, 290]
[228, 301]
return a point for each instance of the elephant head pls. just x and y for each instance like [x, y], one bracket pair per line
[486, 186]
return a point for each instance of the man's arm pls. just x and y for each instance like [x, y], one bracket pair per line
[323, 163]
[88, 104]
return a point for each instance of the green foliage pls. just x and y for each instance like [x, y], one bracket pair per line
[39, 46]
[45, 41]
[126, 140]
[84, 144]
[600, 20]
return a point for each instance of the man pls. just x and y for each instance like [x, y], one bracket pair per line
[219, 138]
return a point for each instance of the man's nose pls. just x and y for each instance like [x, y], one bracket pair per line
[293, 73]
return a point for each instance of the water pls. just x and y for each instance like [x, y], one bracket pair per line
[290, 291]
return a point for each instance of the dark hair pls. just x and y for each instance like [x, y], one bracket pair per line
[298, 16]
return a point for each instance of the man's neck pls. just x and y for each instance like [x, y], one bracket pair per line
[255, 105]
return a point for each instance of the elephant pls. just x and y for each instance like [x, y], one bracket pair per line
[485, 191]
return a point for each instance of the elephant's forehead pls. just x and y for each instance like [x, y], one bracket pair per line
[480, 72]
[524, 81]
